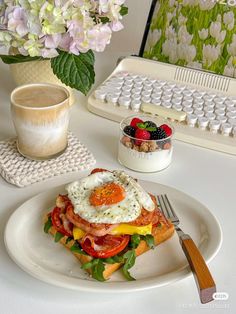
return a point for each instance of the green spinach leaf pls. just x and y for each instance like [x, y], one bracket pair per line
[58, 236]
[76, 248]
[134, 241]
[47, 224]
[149, 240]
[129, 261]
[69, 239]
[98, 269]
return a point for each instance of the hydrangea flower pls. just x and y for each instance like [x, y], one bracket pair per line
[40, 27]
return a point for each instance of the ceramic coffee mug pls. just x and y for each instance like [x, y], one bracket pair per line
[40, 113]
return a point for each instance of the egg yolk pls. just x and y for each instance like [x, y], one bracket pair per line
[107, 194]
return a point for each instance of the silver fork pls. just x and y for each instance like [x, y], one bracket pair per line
[205, 283]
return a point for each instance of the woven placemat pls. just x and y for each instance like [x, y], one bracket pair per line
[20, 171]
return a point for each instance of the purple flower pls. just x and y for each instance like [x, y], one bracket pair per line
[99, 37]
[17, 21]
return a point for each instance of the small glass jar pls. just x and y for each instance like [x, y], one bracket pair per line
[145, 155]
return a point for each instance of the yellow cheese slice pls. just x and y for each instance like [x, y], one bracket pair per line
[78, 233]
[119, 230]
[129, 229]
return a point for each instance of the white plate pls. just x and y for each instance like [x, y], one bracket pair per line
[37, 254]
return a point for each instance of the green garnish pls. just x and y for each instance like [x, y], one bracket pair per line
[98, 269]
[47, 224]
[149, 240]
[134, 241]
[69, 239]
[129, 261]
[89, 264]
[58, 236]
[109, 260]
[76, 248]
[145, 126]
[118, 258]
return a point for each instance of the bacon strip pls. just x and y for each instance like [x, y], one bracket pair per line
[92, 228]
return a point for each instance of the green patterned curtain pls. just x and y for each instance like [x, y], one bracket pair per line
[195, 33]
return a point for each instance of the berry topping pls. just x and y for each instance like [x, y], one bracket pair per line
[167, 129]
[141, 134]
[129, 130]
[135, 121]
[150, 124]
[159, 134]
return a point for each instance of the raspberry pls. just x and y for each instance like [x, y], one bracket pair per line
[134, 122]
[141, 134]
[167, 129]
[159, 134]
[129, 130]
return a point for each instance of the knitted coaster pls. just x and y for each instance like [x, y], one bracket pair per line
[20, 171]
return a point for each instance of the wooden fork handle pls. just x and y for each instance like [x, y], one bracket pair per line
[202, 275]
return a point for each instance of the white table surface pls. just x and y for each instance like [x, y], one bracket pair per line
[206, 175]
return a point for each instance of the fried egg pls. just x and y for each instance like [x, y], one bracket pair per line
[134, 198]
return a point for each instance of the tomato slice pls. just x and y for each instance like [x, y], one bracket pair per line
[105, 246]
[98, 170]
[58, 222]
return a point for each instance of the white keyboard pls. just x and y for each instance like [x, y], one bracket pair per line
[200, 105]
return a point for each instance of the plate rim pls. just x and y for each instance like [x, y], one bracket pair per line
[109, 287]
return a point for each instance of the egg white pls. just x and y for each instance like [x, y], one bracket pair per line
[125, 211]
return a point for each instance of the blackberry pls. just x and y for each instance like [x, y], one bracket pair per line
[150, 124]
[159, 134]
[129, 130]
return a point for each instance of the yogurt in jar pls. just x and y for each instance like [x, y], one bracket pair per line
[154, 153]
[144, 162]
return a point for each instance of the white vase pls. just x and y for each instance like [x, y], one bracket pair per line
[37, 72]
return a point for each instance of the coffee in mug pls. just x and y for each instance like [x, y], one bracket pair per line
[40, 115]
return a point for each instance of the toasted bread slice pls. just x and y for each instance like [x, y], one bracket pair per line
[161, 234]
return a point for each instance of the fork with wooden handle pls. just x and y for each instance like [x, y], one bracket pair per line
[202, 275]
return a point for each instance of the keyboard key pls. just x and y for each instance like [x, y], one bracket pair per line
[226, 128]
[191, 120]
[203, 123]
[124, 102]
[214, 126]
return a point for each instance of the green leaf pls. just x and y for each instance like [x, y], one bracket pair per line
[76, 248]
[141, 125]
[69, 239]
[124, 10]
[87, 265]
[151, 129]
[47, 224]
[129, 258]
[109, 260]
[97, 270]
[90, 264]
[75, 71]
[104, 19]
[149, 240]
[58, 236]
[135, 240]
[118, 259]
[18, 59]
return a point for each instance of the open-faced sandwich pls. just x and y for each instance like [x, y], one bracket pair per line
[106, 220]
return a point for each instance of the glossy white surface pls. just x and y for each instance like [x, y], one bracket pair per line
[205, 175]
[37, 253]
